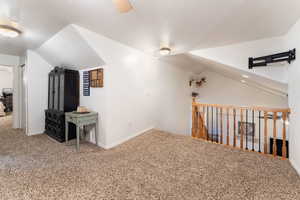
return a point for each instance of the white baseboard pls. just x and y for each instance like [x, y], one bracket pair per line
[114, 144]
[35, 133]
[296, 167]
[100, 144]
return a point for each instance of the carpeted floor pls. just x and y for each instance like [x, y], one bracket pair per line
[155, 165]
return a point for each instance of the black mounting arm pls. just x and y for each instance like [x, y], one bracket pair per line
[279, 57]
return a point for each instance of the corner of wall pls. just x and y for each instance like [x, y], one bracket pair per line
[292, 41]
[296, 167]
[123, 140]
[37, 70]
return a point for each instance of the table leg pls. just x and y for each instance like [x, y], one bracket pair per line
[77, 137]
[96, 132]
[67, 132]
[83, 133]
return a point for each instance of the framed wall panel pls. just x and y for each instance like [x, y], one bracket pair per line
[96, 78]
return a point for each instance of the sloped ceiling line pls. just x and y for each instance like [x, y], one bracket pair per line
[255, 80]
[68, 48]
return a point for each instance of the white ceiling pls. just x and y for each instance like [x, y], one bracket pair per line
[183, 24]
[67, 48]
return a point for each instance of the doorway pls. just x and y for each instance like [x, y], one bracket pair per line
[6, 93]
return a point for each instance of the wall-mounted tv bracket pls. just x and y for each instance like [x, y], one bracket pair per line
[279, 57]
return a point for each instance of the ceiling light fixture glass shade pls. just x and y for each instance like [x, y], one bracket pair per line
[165, 51]
[9, 31]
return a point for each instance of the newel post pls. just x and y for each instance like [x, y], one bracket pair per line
[194, 110]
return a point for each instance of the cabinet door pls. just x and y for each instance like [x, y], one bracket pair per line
[51, 91]
[61, 91]
[56, 91]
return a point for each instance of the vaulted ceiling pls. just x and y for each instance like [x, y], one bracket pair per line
[183, 24]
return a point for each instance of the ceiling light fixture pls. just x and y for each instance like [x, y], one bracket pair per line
[245, 76]
[243, 81]
[165, 51]
[9, 31]
[123, 6]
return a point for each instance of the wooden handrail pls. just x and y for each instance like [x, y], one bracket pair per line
[256, 108]
[236, 126]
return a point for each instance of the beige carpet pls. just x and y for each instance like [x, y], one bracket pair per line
[155, 165]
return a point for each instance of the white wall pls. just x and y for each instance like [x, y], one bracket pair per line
[293, 41]
[222, 90]
[97, 101]
[237, 55]
[140, 92]
[22, 101]
[36, 78]
[6, 77]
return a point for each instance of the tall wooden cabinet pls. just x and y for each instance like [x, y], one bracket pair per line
[63, 96]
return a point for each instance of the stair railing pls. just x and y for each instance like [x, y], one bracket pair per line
[257, 129]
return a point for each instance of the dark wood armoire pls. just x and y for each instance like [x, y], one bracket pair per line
[63, 96]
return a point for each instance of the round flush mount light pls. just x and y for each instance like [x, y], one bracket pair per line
[9, 31]
[165, 51]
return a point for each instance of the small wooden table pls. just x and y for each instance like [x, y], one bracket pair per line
[81, 120]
